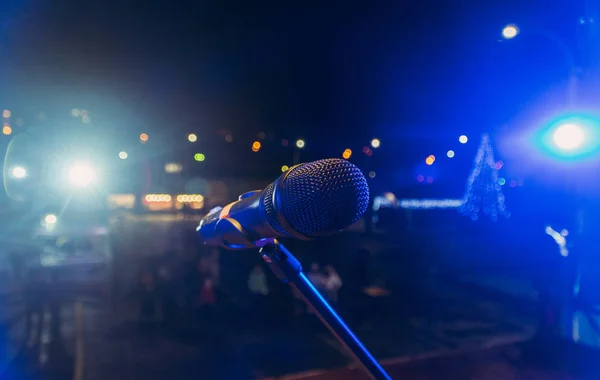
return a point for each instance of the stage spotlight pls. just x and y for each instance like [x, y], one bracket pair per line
[568, 137]
[81, 175]
[571, 139]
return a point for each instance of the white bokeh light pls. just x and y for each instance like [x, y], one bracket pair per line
[18, 172]
[50, 219]
[81, 175]
[510, 31]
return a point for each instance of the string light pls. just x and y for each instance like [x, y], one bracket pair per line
[151, 198]
[190, 198]
[483, 190]
[388, 200]
[426, 204]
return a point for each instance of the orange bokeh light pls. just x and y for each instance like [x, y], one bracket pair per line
[144, 137]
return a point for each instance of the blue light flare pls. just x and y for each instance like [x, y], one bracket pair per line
[570, 138]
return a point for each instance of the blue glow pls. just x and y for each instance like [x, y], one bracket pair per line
[570, 137]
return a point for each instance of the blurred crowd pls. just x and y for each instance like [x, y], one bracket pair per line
[173, 289]
[170, 285]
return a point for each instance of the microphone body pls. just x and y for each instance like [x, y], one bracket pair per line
[307, 201]
[247, 210]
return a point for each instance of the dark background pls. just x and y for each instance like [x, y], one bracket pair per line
[414, 74]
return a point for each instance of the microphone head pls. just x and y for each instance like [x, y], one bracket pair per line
[317, 198]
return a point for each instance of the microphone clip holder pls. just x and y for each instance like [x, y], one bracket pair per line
[289, 270]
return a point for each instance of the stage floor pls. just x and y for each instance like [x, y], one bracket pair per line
[507, 362]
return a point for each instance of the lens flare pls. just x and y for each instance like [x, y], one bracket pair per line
[81, 175]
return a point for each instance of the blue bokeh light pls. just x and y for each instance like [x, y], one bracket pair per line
[571, 137]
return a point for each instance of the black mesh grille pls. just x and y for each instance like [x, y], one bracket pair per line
[322, 197]
[267, 202]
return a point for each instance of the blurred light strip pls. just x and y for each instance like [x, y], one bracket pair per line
[158, 198]
[560, 240]
[427, 204]
[190, 198]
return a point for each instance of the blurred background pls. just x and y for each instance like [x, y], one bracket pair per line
[475, 124]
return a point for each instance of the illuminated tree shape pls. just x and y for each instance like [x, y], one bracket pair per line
[483, 192]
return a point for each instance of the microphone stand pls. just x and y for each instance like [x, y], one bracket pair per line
[289, 270]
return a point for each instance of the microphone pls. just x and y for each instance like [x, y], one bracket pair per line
[309, 200]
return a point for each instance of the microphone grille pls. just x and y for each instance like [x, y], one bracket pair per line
[323, 197]
[272, 216]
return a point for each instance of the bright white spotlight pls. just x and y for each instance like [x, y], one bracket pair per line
[510, 31]
[81, 175]
[569, 137]
[18, 172]
[50, 219]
